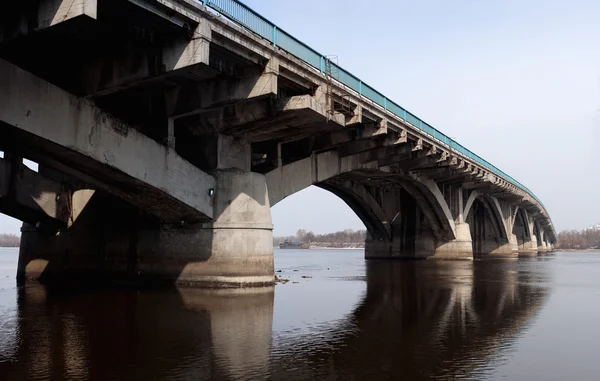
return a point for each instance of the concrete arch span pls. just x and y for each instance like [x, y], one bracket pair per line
[406, 216]
[487, 225]
[399, 216]
[524, 232]
[356, 196]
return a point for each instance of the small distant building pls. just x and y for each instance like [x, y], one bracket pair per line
[594, 227]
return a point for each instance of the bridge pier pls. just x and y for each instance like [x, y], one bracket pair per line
[422, 244]
[109, 239]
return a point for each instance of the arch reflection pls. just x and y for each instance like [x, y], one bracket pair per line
[416, 321]
[424, 320]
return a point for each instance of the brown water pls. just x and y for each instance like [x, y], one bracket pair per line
[526, 319]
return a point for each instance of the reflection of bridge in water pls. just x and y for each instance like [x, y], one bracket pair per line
[422, 320]
[418, 320]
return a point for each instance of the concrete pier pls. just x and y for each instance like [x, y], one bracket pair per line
[234, 251]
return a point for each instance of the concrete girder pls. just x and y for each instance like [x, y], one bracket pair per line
[46, 14]
[417, 162]
[347, 135]
[506, 195]
[195, 98]
[456, 177]
[30, 197]
[476, 184]
[182, 58]
[382, 154]
[433, 172]
[96, 143]
[359, 146]
[268, 119]
[394, 159]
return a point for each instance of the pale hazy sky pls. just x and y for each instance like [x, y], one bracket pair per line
[516, 81]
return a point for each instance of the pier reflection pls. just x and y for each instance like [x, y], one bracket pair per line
[423, 320]
[416, 320]
[149, 335]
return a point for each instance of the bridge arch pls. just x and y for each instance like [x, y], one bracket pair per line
[537, 233]
[356, 196]
[521, 227]
[404, 214]
[487, 225]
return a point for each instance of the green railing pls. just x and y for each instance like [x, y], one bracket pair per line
[243, 15]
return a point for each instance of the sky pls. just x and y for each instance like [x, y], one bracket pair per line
[515, 81]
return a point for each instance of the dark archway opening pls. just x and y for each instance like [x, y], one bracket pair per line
[520, 229]
[486, 227]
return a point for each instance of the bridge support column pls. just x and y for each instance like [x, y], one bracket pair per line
[416, 241]
[109, 239]
[510, 249]
[530, 247]
[459, 248]
[236, 250]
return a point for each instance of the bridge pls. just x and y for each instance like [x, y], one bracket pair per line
[165, 130]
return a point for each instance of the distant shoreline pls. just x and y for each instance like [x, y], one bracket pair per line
[324, 248]
[577, 250]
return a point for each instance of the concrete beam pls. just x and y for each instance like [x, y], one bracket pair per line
[267, 119]
[383, 154]
[75, 130]
[348, 135]
[197, 98]
[359, 146]
[127, 66]
[417, 162]
[30, 197]
[28, 17]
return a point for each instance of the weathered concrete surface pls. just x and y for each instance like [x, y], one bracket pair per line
[30, 197]
[235, 250]
[459, 248]
[176, 190]
[46, 13]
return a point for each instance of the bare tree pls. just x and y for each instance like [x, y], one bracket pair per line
[584, 239]
[337, 239]
[9, 240]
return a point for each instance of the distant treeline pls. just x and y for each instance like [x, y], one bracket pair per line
[347, 236]
[583, 239]
[9, 240]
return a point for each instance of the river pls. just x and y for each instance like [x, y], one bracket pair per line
[339, 317]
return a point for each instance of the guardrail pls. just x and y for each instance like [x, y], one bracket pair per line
[243, 15]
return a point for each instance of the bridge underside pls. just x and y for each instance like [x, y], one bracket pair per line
[164, 135]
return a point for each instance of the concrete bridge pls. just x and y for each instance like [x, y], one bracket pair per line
[165, 130]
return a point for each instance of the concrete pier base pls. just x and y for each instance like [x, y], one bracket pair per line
[459, 248]
[528, 249]
[113, 240]
[422, 246]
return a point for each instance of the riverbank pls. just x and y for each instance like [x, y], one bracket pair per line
[323, 246]
[592, 250]
[330, 246]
